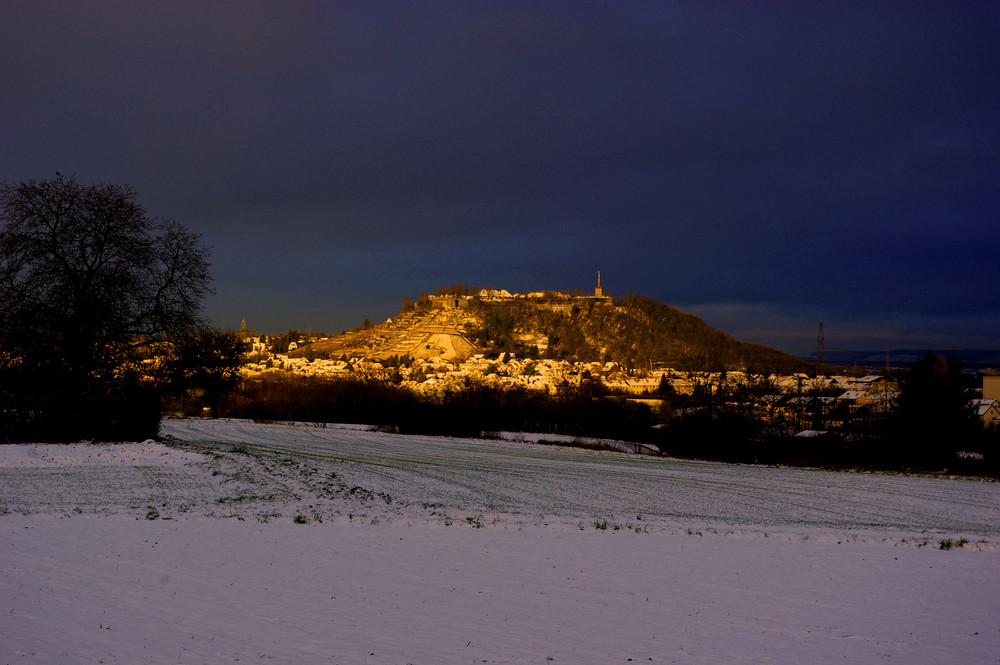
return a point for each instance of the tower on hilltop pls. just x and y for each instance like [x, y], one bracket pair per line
[599, 292]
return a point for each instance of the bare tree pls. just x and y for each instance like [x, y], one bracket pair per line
[88, 281]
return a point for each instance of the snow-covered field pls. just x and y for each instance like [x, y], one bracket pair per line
[269, 543]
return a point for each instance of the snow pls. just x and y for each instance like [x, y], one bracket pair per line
[188, 553]
[147, 453]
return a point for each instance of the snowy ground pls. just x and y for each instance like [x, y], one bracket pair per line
[268, 543]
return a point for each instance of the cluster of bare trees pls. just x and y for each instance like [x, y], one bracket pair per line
[96, 297]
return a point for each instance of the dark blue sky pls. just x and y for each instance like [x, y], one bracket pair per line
[762, 165]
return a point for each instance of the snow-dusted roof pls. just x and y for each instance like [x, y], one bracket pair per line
[984, 406]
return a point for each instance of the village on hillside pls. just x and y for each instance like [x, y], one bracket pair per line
[792, 394]
[428, 353]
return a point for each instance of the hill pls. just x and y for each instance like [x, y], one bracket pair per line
[972, 359]
[635, 332]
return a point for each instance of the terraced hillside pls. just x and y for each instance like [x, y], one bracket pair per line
[419, 333]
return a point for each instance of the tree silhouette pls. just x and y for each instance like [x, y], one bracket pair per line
[934, 417]
[88, 284]
[209, 362]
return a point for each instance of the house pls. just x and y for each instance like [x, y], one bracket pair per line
[991, 387]
[988, 410]
[635, 386]
[799, 401]
[494, 294]
[853, 398]
[874, 383]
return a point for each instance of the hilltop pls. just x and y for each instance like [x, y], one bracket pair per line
[634, 332]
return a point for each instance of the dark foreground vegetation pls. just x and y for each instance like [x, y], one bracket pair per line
[100, 314]
[931, 427]
[472, 410]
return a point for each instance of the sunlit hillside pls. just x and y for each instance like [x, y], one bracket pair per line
[635, 331]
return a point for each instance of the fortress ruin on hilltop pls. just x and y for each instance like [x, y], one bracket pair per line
[454, 301]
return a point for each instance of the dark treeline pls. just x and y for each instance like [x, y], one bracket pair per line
[471, 410]
[730, 437]
[932, 426]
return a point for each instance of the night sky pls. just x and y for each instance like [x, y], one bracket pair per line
[762, 165]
